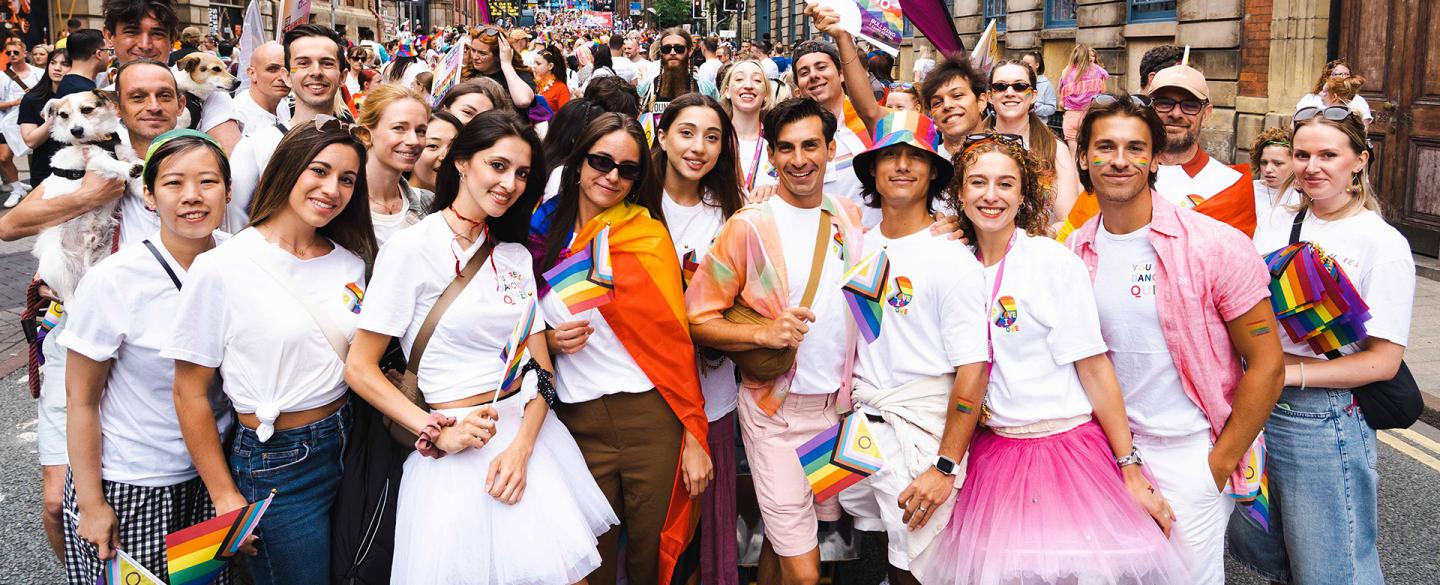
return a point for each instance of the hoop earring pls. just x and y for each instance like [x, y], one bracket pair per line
[1355, 184]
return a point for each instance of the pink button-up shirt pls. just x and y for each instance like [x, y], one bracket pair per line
[1208, 273]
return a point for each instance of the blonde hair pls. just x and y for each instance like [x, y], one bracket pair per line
[769, 87]
[1344, 89]
[380, 98]
[1081, 58]
[1361, 190]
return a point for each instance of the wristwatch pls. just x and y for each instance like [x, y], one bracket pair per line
[945, 464]
[1132, 459]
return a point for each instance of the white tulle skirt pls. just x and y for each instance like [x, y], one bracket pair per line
[448, 530]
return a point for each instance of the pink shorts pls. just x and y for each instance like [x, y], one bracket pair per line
[787, 505]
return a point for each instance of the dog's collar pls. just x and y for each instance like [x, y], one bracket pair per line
[110, 142]
[72, 174]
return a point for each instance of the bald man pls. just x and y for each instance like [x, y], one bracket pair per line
[269, 84]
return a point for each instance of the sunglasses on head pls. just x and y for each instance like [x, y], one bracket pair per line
[1002, 138]
[489, 32]
[603, 164]
[328, 123]
[1106, 99]
[1332, 113]
[1167, 105]
[902, 85]
[1020, 87]
[672, 49]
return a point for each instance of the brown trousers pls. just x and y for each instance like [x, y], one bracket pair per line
[631, 443]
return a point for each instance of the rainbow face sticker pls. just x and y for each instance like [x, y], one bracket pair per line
[353, 296]
[1097, 162]
[904, 292]
[1005, 314]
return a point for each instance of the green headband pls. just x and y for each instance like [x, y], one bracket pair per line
[173, 134]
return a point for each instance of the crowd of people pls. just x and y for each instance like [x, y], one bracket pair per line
[1047, 303]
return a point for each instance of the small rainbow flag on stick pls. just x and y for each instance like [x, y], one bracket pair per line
[1253, 495]
[513, 354]
[865, 291]
[1314, 300]
[586, 279]
[123, 570]
[840, 457]
[197, 554]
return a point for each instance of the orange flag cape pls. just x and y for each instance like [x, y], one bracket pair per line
[648, 315]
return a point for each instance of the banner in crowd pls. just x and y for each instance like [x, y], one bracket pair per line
[878, 22]
[447, 72]
[933, 21]
[593, 19]
[987, 50]
[297, 12]
[252, 35]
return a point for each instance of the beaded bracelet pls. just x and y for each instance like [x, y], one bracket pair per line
[425, 444]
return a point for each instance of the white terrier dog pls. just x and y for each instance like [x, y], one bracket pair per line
[198, 75]
[89, 127]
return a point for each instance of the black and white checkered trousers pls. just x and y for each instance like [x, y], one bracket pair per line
[145, 515]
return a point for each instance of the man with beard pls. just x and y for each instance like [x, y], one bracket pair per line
[259, 105]
[1187, 176]
[315, 57]
[676, 78]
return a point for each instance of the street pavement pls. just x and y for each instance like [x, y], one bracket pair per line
[1409, 460]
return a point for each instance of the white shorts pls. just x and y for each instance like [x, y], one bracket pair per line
[1181, 467]
[874, 502]
[50, 420]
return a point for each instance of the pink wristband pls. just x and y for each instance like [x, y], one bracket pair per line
[425, 443]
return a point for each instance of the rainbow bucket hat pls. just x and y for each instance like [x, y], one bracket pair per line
[910, 128]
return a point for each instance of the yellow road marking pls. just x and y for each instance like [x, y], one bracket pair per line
[1399, 445]
[1423, 441]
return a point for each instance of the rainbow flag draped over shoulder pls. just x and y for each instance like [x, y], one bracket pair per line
[196, 555]
[1234, 210]
[840, 457]
[857, 125]
[585, 279]
[121, 569]
[1314, 300]
[864, 290]
[648, 316]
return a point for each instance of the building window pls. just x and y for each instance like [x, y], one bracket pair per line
[1151, 10]
[1059, 13]
[993, 10]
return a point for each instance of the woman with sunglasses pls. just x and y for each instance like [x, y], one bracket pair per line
[271, 311]
[1043, 500]
[698, 156]
[1338, 69]
[392, 125]
[902, 96]
[132, 481]
[1012, 96]
[526, 516]
[628, 385]
[1321, 453]
[745, 94]
[489, 54]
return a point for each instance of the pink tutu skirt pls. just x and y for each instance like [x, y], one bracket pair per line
[1052, 509]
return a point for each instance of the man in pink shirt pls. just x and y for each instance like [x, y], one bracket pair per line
[1184, 307]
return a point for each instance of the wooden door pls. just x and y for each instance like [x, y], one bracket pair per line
[1395, 44]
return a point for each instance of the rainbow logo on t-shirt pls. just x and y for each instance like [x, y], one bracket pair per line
[904, 293]
[1005, 314]
[354, 296]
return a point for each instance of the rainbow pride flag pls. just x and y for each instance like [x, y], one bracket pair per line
[196, 555]
[840, 457]
[865, 292]
[1253, 494]
[1314, 299]
[121, 569]
[586, 279]
[513, 354]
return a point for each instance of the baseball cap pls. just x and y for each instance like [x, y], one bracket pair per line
[1182, 76]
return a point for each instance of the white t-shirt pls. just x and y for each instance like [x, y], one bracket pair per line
[1042, 321]
[772, 71]
[692, 230]
[1375, 257]
[934, 310]
[602, 367]
[755, 153]
[253, 117]
[1155, 398]
[840, 179]
[272, 356]
[413, 268]
[625, 69]
[11, 91]
[1269, 210]
[123, 311]
[1357, 104]
[217, 109]
[821, 357]
[708, 71]
[387, 224]
[246, 163]
[136, 221]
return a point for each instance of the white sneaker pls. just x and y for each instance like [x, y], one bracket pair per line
[14, 198]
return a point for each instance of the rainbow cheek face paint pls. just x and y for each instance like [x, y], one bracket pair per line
[1097, 162]
[1143, 163]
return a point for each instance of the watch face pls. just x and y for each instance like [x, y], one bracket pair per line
[945, 466]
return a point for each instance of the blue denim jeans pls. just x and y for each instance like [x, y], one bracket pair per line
[1323, 483]
[303, 466]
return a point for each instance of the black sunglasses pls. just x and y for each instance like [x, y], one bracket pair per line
[669, 49]
[1020, 87]
[604, 164]
[1332, 113]
[1167, 105]
[1106, 99]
